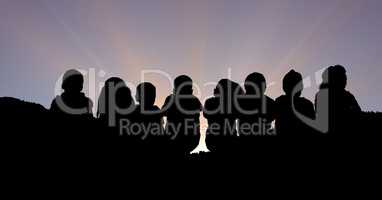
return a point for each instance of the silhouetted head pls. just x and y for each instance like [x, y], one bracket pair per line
[146, 93]
[183, 85]
[73, 81]
[115, 90]
[226, 87]
[255, 83]
[335, 77]
[115, 82]
[228, 91]
[292, 83]
[123, 97]
[221, 87]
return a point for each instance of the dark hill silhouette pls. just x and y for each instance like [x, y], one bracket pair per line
[370, 124]
[10, 105]
[19, 118]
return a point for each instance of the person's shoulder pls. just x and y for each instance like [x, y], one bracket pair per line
[169, 98]
[168, 104]
[89, 100]
[281, 98]
[349, 94]
[305, 101]
[322, 93]
[156, 108]
[211, 102]
[195, 103]
[84, 97]
[55, 99]
[351, 99]
[136, 108]
[269, 99]
[53, 104]
[195, 99]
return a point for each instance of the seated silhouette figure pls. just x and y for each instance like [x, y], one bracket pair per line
[333, 99]
[221, 114]
[182, 110]
[72, 101]
[257, 111]
[150, 118]
[116, 106]
[287, 124]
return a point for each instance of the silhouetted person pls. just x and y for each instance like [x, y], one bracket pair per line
[72, 101]
[335, 101]
[257, 111]
[150, 118]
[182, 110]
[287, 123]
[116, 106]
[221, 113]
[72, 110]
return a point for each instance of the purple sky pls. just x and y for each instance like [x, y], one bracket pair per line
[40, 39]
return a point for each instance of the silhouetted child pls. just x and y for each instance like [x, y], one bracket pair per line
[335, 101]
[116, 106]
[72, 101]
[287, 123]
[149, 116]
[221, 113]
[182, 110]
[256, 112]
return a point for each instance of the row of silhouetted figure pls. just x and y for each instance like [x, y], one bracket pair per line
[237, 116]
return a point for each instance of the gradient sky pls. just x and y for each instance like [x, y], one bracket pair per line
[40, 39]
